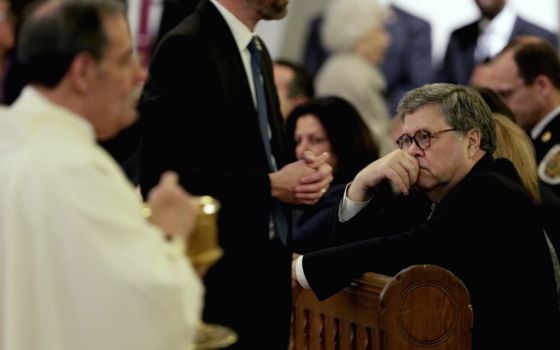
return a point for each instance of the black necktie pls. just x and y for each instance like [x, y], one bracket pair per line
[278, 215]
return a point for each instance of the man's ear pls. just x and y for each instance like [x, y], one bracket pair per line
[81, 72]
[544, 84]
[473, 138]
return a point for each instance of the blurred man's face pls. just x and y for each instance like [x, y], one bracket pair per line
[490, 8]
[117, 82]
[524, 100]
[269, 9]
[283, 77]
[7, 25]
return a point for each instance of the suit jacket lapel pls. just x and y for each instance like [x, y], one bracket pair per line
[224, 48]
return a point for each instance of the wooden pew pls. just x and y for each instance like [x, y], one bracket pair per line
[422, 307]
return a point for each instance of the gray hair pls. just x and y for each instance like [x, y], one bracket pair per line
[462, 107]
[347, 21]
[57, 32]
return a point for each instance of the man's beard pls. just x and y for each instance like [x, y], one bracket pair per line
[268, 10]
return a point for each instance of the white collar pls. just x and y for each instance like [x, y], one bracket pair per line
[537, 129]
[33, 104]
[240, 32]
[502, 24]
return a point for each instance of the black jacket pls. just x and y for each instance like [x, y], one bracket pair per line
[200, 120]
[486, 231]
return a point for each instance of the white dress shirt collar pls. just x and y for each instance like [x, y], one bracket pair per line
[495, 34]
[242, 36]
[537, 129]
[240, 32]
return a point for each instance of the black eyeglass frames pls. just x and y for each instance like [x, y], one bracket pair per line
[422, 138]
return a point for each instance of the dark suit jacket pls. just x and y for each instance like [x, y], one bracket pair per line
[174, 11]
[486, 231]
[200, 121]
[458, 63]
[313, 224]
[408, 60]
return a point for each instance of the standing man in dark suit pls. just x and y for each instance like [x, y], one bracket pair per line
[484, 38]
[482, 225]
[408, 60]
[203, 111]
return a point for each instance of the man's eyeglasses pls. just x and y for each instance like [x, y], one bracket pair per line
[421, 138]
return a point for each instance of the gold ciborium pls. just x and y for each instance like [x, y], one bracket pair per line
[204, 251]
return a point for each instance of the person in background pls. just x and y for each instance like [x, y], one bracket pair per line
[211, 113]
[351, 71]
[7, 40]
[445, 152]
[333, 125]
[293, 84]
[408, 60]
[483, 39]
[82, 268]
[526, 74]
[514, 144]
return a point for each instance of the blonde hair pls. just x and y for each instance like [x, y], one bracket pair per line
[347, 21]
[514, 144]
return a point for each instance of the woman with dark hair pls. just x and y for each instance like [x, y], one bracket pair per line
[328, 124]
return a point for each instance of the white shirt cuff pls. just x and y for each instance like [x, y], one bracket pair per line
[349, 208]
[300, 275]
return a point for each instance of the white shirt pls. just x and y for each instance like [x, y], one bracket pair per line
[81, 268]
[495, 34]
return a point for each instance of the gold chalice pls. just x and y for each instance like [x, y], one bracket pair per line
[204, 251]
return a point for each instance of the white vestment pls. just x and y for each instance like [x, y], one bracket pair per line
[80, 268]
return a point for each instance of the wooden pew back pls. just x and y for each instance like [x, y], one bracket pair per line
[422, 307]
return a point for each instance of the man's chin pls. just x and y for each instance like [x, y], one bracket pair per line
[423, 184]
[129, 119]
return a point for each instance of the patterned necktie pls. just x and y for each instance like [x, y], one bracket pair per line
[279, 217]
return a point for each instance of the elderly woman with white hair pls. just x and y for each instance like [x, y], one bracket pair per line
[354, 32]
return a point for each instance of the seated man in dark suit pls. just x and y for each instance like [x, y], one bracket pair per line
[384, 225]
[485, 38]
[408, 60]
